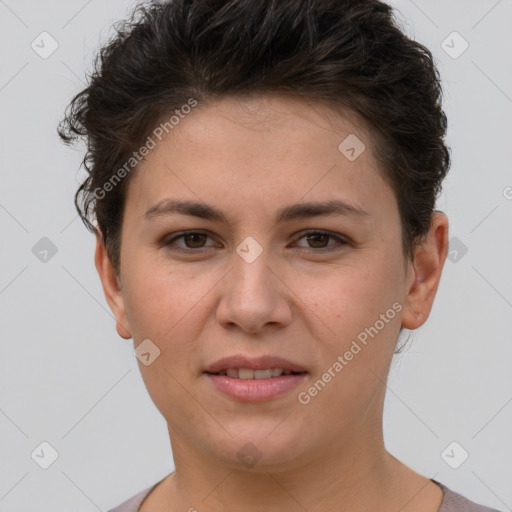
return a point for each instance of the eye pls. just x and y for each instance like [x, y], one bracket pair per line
[194, 241]
[318, 239]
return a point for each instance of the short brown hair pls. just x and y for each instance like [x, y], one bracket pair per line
[350, 53]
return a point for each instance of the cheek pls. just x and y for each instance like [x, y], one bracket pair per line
[161, 300]
[351, 296]
[361, 308]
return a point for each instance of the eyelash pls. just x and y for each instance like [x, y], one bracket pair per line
[341, 242]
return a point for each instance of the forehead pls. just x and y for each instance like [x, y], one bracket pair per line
[261, 148]
[279, 121]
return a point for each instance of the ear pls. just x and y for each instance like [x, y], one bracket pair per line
[111, 287]
[425, 273]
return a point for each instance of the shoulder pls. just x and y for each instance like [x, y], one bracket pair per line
[133, 504]
[455, 502]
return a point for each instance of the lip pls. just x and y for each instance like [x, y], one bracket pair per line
[253, 363]
[254, 390]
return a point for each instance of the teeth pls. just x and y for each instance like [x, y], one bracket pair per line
[244, 373]
[247, 373]
[262, 374]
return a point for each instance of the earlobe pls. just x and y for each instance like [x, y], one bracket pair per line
[429, 260]
[111, 287]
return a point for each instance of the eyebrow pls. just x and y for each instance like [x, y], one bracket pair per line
[288, 213]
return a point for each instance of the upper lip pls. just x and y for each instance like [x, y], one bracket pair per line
[253, 363]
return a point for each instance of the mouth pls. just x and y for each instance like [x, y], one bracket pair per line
[249, 374]
[254, 379]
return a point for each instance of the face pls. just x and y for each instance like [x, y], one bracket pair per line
[324, 289]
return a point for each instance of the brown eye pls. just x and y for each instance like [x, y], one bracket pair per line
[194, 242]
[195, 239]
[319, 240]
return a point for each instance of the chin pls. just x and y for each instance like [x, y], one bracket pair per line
[261, 446]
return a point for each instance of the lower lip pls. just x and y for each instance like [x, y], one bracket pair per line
[256, 390]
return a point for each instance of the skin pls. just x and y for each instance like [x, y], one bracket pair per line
[249, 158]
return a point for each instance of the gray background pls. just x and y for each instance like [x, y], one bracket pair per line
[67, 378]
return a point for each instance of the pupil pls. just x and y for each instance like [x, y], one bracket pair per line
[315, 236]
[193, 235]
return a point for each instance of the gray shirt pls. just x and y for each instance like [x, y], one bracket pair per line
[452, 502]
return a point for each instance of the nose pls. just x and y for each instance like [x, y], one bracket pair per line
[254, 297]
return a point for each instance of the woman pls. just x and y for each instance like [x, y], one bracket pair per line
[262, 183]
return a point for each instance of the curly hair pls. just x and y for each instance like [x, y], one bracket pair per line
[348, 53]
